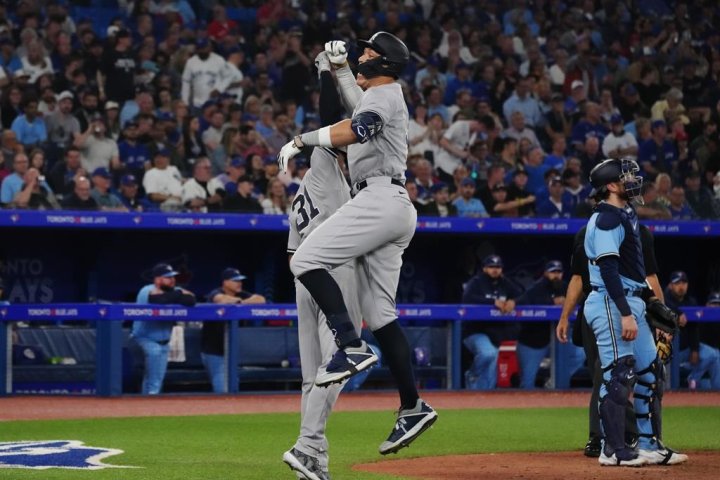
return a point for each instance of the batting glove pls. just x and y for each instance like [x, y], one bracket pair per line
[322, 62]
[337, 52]
[288, 151]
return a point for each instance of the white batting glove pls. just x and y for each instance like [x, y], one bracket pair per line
[337, 52]
[288, 151]
[322, 62]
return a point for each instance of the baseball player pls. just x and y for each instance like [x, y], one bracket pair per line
[322, 192]
[374, 227]
[616, 312]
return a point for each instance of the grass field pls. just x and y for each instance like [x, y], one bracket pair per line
[224, 447]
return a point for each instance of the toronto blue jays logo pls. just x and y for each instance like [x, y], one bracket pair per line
[41, 455]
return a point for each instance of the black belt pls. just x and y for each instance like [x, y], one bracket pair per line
[627, 292]
[360, 185]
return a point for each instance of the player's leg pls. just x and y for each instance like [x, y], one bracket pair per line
[529, 359]
[648, 394]
[215, 366]
[714, 368]
[482, 374]
[156, 358]
[617, 363]
[594, 444]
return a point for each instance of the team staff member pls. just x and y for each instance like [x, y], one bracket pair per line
[154, 336]
[710, 337]
[212, 340]
[489, 287]
[615, 311]
[375, 227]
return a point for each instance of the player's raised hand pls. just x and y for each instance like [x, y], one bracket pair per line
[288, 151]
[322, 62]
[337, 52]
[629, 328]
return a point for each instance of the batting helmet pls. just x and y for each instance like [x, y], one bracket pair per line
[623, 170]
[394, 56]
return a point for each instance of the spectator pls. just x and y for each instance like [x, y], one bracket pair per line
[412, 190]
[575, 192]
[233, 75]
[522, 101]
[11, 105]
[518, 130]
[32, 195]
[201, 78]
[96, 149]
[192, 139]
[440, 205]
[466, 205]
[499, 205]
[556, 158]
[576, 99]
[62, 175]
[276, 201]
[658, 154]
[518, 193]
[130, 195]
[619, 143]
[459, 174]
[61, 125]
[142, 103]
[10, 147]
[153, 337]
[112, 120]
[651, 208]
[679, 208]
[203, 193]
[213, 135]
[212, 343]
[455, 146]
[670, 108]
[235, 170]
[424, 180]
[106, 200]
[80, 199]
[555, 205]
[536, 168]
[243, 201]
[663, 184]
[433, 97]
[163, 183]
[13, 183]
[134, 156]
[699, 197]
[88, 110]
[36, 62]
[119, 68]
[226, 149]
[495, 176]
[590, 126]
[591, 155]
[29, 127]
[557, 124]
[488, 287]
[710, 337]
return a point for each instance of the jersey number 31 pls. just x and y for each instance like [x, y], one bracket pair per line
[304, 216]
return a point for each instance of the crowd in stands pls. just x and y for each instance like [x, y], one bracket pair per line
[182, 105]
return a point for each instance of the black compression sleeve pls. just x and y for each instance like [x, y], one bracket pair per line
[331, 109]
[609, 271]
[173, 296]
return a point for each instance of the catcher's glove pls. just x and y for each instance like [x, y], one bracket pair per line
[661, 316]
[664, 347]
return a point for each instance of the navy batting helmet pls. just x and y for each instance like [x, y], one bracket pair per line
[394, 56]
[612, 170]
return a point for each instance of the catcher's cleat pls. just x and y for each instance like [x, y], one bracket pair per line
[663, 456]
[410, 424]
[306, 466]
[625, 457]
[346, 363]
[593, 447]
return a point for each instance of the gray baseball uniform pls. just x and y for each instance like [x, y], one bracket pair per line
[322, 191]
[377, 224]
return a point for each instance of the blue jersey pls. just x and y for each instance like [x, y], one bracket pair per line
[614, 231]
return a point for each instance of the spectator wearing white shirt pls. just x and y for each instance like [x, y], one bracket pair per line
[163, 183]
[212, 136]
[276, 201]
[455, 146]
[232, 76]
[619, 143]
[203, 75]
[36, 63]
[202, 193]
[518, 130]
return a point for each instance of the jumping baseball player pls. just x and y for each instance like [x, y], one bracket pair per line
[374, 227]
[616, 312]
[322, 192]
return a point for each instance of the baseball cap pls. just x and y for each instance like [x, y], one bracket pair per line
[101, 172]
[131, 124]
[714, 298]
[554, 180]
[616, 118]
[202, 43]
[233, 274]
[237, 162]
[150, 66]
[557, 97]
[678, 276]
[301, 163]
[112, 30]
[163, 270]
[128, 180]
[245, 178]
[163, 152]
[576, 84]
[269, 159]
[554, 266]
[630, 89]
[492, 261]
[658, 124]
[467, 181]
[65, 94]
[438, 187]
[110, 105]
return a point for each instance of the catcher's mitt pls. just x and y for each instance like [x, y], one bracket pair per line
[664, 348]
[661, 316]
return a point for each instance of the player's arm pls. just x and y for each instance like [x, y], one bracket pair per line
[572, 297]
[350, 93]
[225, 299]
[651, 266]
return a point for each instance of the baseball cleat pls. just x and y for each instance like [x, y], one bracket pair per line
[593, 447]
[307, 466]
[663, 456]
[625, 457]
[346, 363]
[410, 424]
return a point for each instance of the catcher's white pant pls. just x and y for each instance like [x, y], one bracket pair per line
[375, 227]
[317, 346]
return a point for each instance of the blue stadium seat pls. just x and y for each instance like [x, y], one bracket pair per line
[242, 15]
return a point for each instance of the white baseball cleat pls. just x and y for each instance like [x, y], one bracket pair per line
[625, 459]
[663, 456]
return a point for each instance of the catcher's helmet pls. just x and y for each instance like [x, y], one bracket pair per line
[394, 55]
[623, 170]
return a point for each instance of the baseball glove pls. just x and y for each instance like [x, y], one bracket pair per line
[661, 316]
[664, 347]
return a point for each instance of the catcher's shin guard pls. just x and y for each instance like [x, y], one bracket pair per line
[612, 405]
[652, 400]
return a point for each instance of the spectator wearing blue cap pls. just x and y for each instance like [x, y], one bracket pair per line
[440, 205]
[163, 183]
[134, 156]
[212, 342]
[619, 143]
[466, 204]
[519, 194]
[29, 127]
[153, 337]
[130, 195]
[202, 76]
[555, 205]
[488, 287]
[236, 168]
[106, 200]
[243, 201]
[96, 149]
[589, 126]
[659, 153]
